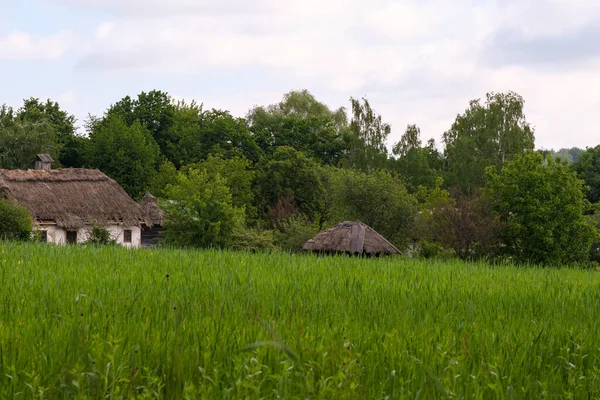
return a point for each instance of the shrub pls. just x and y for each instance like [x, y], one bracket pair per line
[253, 240]
[99, 235]
[200, 212]
[541, 203]
[292, 233]
[15, 221]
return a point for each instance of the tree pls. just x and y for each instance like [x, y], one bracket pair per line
[22, 140]
[419, 165]
[541, 205]
[410, 140]
[588, 168]
[238, 175]
[215, 132]
[301, 122]
[155, 112]
[200, 211]
[379, 199]
[15, 221]
[63, 124]
[292, 175]
[465, 225]
[367, 138]
[167, 173]
[489, 134]
[127, 154]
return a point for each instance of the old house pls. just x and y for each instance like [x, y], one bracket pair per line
[153, 224]
[65, 203]
[351, 237]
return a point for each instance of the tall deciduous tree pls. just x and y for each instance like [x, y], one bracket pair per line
[541, 205]
[420, 166]
[489, 134]
[238, 175]
[587, 168]
[49, 114]
[21, 140]
[368, 135]
[215, 132]
[301, 122]
[289, 174]
[126, 153]
[379, 199]
[155, 111]
[200, 212]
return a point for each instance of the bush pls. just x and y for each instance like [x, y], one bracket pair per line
[200, 212]
[99, 235]
[379, 200]
[252, 240]
[15, 221]
[292, 233]
[541, 204]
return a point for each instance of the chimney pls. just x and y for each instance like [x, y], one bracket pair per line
[43, 162]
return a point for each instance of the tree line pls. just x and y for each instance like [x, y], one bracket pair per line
[287, 170]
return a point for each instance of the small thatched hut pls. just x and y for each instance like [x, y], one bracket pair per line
[154, 220]
[352, 238]
[64, 203]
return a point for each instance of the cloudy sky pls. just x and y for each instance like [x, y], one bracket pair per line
[416, 61]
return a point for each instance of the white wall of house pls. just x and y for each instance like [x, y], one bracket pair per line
[58, 235]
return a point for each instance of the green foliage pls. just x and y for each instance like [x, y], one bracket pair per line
[570, 156]
[15, 221]
[253, 240]
[239, 176]
[420, 166]
[155, 112]
[379, 200]
[291, 174]
[588, 168]
[106, 322]
[292, 233]
[128, 154]
[21, 140]
[368, 134]
[486, 135]
[99, 235]
[50, 114]
[429, 199]
[167, 173]
[215, 132]
[200, 211]
[466, 225]
[542, 205]
[301, 122]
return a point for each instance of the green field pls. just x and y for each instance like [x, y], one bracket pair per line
[114, 323]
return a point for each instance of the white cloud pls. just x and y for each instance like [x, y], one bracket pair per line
[22, 46]
[417, 61]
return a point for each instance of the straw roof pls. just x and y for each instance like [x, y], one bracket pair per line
[44, 158]
[353, 238]
[153, 213]
[73, 198]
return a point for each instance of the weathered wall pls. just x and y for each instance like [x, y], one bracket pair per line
[58, 235]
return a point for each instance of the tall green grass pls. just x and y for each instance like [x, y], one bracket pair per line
[109, 322]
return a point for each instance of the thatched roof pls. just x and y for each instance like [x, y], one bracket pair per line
[353, 238]
[153, 213]
[44, 158]
[72, 198]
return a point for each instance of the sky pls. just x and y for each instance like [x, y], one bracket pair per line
[417, 62]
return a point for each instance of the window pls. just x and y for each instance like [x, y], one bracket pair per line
[72, 237]
[127, 236]
[43, 236]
